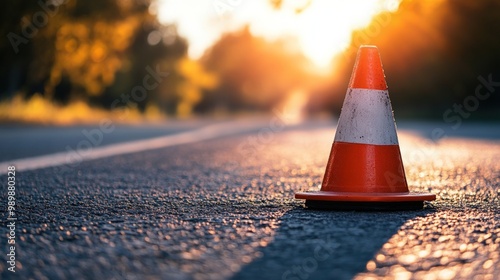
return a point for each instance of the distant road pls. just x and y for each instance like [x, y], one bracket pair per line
[28, 141]
[24, 141]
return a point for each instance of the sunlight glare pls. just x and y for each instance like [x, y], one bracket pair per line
[323, 29]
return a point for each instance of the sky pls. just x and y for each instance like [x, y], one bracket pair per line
[322, 30]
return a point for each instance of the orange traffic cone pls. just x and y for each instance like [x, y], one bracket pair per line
[365, 170]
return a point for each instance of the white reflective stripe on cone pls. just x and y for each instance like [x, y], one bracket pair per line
[367, 118]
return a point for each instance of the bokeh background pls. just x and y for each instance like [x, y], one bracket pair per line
[73, 61]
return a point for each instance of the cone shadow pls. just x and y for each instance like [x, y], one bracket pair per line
[316, 244]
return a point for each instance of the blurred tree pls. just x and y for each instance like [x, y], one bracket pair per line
[190, 90]
[153, 45]
[90, 50]
[254, 74]
[15, 46]
[433, 53]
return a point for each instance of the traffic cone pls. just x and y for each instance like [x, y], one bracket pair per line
[365, 170]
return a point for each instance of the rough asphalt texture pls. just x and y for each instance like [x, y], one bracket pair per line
[224, 209]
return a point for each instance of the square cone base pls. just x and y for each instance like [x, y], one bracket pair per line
[365, 202]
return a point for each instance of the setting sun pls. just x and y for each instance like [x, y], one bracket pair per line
[321, 28]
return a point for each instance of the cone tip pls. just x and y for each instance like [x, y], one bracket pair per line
[368, 72]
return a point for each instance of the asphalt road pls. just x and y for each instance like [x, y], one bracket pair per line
[224, 209]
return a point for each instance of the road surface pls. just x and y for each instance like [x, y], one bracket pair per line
[223, 208]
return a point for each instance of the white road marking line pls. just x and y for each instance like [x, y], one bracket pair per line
[71, 158]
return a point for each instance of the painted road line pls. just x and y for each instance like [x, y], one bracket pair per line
[72, 158]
